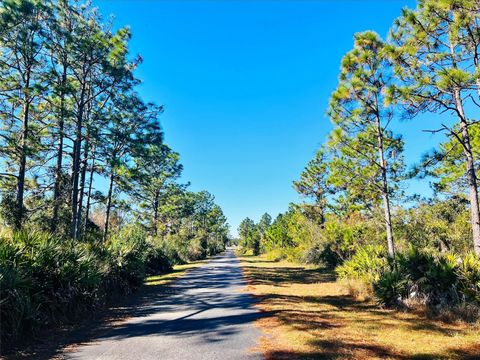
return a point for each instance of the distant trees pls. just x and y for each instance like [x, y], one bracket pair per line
[249, 236]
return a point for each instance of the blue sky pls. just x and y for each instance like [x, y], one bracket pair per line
[245, 86]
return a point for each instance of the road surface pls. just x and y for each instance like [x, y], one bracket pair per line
[205, 315]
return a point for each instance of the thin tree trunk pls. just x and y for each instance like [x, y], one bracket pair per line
[385, 195]
[155, 211]
[109, 206]
[58, 169]
[82, 189]
[89, 194]
[471, 174]
[84, 163]
[23, 154]
[76, 164]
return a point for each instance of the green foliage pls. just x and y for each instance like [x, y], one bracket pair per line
[126, 254]
[367, 264]
[432, 279]
[249, 236]
[468, 272]
[391, 288]
[441, 225]
[47, 280]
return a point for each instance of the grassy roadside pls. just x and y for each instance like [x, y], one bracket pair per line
[55, 341]
[308, 316]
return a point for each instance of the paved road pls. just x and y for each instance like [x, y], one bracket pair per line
[206, 316]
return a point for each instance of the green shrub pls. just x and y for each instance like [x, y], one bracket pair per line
[367, 264]
[48, 280]
[158, 258]
[436, 280]
[44, 280]
[468, 272]
[127, 252]
[391, 288]
[430, 278]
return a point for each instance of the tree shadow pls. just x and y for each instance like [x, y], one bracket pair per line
[338, 349]
[280, 276]
[296, 313]
[178, 310]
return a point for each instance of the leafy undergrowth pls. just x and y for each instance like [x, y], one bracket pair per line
[307, 315]
[53, 343]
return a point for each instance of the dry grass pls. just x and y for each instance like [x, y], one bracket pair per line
[307, 315]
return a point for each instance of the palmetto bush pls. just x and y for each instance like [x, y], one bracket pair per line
[436, 280]
[367, 264]
[47, 280]
[44, 280]
[468, 272]
[359, 273]
[416, 276]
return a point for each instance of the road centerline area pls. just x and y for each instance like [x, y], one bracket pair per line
[205, 316]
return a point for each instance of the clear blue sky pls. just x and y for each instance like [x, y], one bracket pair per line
[245, 86]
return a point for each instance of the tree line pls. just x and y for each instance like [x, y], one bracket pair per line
[355, 206]
[74, 124]
[91, 197]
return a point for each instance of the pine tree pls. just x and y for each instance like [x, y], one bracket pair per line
[436, 59]
[367, 157]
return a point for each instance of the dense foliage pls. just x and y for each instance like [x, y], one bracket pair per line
[90, 197]
[356, 217]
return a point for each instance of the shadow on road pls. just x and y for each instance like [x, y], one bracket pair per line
[196, 293]
[176, 309]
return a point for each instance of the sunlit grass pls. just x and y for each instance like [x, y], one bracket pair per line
[178, 271]
[308, 315]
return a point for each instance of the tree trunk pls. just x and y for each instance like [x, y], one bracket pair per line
[385, 195]
[155, 211]
[23, 153]
[109, 206]
[89, 194]
[58, 168]
[76, 164]
[82, 189]
[471, 174]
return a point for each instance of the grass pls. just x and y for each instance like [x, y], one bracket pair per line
[308, 315]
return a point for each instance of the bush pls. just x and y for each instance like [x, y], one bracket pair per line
[158, 259]
[46, 280]
[421, 276]
[359, 273]
[438, 281]
[468, 272]
[126, 254]
[391, 288]
[367, 264]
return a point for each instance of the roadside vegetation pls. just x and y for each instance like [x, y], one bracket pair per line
[91, 201]
[414, 253]
[306, 314]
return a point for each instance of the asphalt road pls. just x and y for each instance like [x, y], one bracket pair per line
[205, 315]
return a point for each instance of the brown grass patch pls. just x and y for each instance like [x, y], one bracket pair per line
[308, 315]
